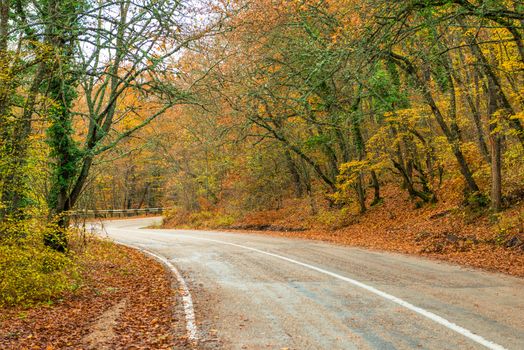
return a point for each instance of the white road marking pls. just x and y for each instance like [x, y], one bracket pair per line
[428, 314]
[187, 301]
[192, 331]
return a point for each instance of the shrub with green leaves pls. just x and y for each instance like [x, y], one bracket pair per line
[31, 273]
[213, 219]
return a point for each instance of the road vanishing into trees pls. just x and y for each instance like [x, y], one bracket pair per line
[252, 291]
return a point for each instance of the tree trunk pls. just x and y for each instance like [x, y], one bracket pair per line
[358, 141]
[295, 175]
[474, 107]
[14, 195]
[361, 194]
[60, 19]
[496, 173]
[309, 191]
[495, 144]
[376, 186]
[316, 166]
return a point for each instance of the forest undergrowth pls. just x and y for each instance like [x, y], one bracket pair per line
[446, 230]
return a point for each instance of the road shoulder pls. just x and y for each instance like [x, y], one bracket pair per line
[126, 299]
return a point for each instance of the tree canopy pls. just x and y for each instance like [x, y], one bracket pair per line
[239, 105]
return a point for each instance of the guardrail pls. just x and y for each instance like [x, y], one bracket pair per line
[118, 213]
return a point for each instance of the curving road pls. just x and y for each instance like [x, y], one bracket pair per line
[253, 291]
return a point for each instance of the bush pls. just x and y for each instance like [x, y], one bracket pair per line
[510, 230]
[335, 219]
[181, 218]
[223, 221]
[31, 273]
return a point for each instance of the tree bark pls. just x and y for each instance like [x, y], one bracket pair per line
[295, 175]
[61, 18]
[376, 187]
[495, 142]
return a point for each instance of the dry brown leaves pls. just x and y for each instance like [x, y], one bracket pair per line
[127, 302]
[439, 231]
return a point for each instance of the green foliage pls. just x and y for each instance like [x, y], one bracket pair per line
[31, 273]
[510, 230]
[386, 91]
[316, 141]
[181, 218]
[335, 219]
[65, 150]
[223, 221]
[12, 228]
[441, 78]
[476, 205]
[477, 200]
[266, 180]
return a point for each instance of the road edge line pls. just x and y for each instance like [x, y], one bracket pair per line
[187, 300]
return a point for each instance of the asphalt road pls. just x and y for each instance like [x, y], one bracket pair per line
[253, 291]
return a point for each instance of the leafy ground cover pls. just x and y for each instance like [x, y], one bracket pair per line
[124, 298]
[444, 230]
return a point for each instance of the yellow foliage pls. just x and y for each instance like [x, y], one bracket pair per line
[335, 219]
[31, 273]
[181, 218]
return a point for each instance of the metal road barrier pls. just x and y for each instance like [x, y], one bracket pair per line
[112, 213]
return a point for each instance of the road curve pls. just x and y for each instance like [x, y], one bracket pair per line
[259, 292]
